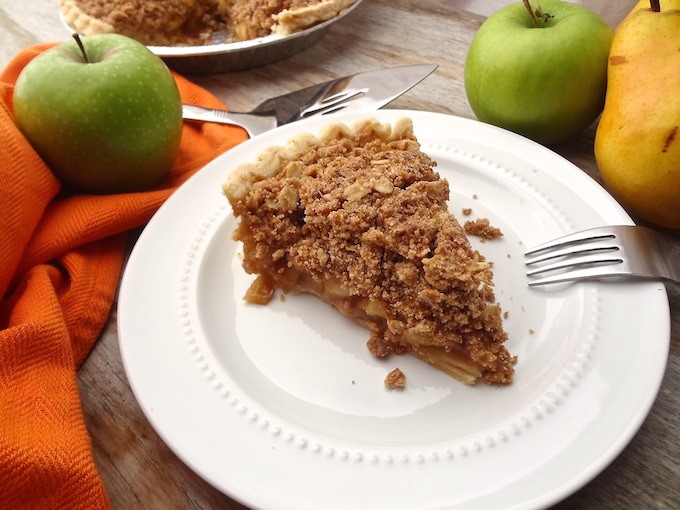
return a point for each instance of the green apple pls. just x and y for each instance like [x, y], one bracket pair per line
[539, 71]
[104, 114]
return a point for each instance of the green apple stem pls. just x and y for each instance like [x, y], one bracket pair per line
[655, 5]
[82, 48]
[534, 23]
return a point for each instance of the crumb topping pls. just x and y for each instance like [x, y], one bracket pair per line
[395, 379]
[158, 22]
[482, 228]
[365, 220]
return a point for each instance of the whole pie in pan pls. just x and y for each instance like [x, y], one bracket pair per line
[196, 22]
[358, 216]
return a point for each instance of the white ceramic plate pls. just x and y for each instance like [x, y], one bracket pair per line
[282, 406]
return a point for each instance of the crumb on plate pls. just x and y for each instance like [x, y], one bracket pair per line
[482, 228]
[395, 379]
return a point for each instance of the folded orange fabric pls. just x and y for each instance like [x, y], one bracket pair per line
[60, 262]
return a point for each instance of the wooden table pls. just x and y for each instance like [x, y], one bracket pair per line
[138, 469]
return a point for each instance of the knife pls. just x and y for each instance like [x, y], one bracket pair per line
[369, 90]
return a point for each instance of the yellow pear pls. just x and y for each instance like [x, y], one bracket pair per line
[637, 142]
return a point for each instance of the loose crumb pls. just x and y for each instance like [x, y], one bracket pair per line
[395, 379]
[482, 228]
[467, 211]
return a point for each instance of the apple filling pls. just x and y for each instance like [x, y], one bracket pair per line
[359, 218]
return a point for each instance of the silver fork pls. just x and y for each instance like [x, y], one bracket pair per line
[256, 122]
[369, 90]
[623, 251]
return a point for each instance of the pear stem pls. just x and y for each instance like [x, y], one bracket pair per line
[82, 48]
[655, 5]
[527, 5]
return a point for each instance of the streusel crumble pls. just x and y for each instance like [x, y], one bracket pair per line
[395, 379]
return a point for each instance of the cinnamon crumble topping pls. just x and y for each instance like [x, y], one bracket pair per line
[395, 379]
[482, 228]
[152, 22]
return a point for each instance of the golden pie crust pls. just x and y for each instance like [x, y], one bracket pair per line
[358, 216]
[196, 22]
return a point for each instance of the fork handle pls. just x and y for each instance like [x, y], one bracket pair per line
[670, 256]
[253, 123]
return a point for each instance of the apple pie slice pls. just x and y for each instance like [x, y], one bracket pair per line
[359, 217]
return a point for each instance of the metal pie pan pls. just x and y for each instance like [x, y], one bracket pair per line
[224, 57]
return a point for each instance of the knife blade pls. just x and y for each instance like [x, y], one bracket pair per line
[368, 90]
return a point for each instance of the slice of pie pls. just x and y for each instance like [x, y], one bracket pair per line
[359, 217]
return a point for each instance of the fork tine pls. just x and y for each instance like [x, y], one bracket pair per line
[332, 101]
[588, 273]
[334, 109]
[577, 261]
[569, 249]
[340, 96]
[569, 239]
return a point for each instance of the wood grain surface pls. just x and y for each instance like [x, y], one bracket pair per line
[138, 469]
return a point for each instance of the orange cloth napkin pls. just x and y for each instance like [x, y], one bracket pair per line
[60, 262]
